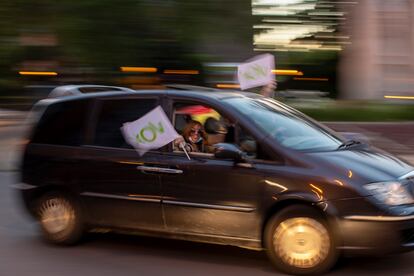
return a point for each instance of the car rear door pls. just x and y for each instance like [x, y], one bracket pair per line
[50, 157]
[116, 190]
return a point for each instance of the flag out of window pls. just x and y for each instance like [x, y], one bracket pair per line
[151, 131]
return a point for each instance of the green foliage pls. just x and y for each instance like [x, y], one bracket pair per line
[102, 35]
[359, 111]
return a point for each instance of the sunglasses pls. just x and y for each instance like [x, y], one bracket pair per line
[195, 131]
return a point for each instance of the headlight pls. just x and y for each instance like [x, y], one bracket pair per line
[392, 193]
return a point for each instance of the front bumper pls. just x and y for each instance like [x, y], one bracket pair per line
[376, 235]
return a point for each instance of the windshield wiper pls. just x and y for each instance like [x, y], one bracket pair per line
[348, 144]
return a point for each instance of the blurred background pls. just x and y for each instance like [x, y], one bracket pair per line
[345, 60]
[361, 49]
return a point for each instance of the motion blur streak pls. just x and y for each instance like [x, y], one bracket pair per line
[317, 188]
[339, 182]
[287, 72]
[320, 197]
[183, 72]
[227, 86]
[400, 97]
[318, 191]
[139, 69]
[32, 73]
[311, 79]
[271, 183]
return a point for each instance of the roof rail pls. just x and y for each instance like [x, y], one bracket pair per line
[71, 90]
[190, 87]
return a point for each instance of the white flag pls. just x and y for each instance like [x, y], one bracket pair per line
[151, 131]
[256, 71]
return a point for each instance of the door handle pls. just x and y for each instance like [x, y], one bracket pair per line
[158, 170]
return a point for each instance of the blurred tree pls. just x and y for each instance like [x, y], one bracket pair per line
[99, 36]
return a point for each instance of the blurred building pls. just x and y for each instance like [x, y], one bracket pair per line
[304, 35]
[380, 60]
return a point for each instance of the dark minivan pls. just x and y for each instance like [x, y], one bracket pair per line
[272, 178]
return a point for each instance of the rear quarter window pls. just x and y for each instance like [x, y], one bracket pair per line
[62, 124]
[113, 114]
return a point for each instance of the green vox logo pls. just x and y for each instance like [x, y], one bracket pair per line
[148, 134]
[255, 72]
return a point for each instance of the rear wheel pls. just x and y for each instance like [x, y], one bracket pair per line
[60, 219]
[299, 241]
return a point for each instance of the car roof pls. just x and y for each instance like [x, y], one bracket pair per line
[200, 95]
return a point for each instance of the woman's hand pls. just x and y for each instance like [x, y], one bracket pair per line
[179, 142]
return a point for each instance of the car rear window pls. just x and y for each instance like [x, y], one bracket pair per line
[62, 124]
[113, 114]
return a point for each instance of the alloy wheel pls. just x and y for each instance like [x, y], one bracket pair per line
[301, 242]
[56, 215]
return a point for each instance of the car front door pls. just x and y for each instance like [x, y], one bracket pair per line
[116, 188]
[216, 197]
[211, 196]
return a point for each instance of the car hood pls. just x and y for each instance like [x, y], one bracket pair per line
[368, 164]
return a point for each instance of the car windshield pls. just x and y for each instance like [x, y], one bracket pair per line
[289, 127]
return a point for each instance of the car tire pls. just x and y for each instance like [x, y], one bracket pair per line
[299, 241]
[60, 219]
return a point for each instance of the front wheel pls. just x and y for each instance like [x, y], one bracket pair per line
[299, 241]
[60, 219]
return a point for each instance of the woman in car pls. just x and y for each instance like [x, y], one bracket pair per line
[194, 136]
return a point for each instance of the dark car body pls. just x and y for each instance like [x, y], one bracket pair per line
[207, 199]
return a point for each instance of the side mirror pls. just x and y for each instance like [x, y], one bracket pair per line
[228, 151]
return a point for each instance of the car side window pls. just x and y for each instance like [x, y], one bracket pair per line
[210, 126]
[62, 124]
[217, 129]
[247, 143]
[113, 113]
[250, 146]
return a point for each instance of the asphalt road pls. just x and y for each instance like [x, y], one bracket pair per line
[22, 251]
